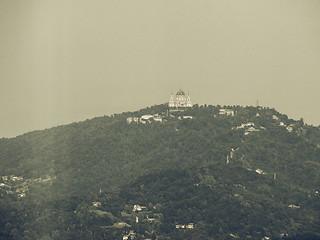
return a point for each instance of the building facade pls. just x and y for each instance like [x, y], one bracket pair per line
[181, 100]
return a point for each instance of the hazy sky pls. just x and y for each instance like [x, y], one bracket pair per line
[69, 60]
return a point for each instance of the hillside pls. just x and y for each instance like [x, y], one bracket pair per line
[208, 172]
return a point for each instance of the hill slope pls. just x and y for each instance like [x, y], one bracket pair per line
[245, 172]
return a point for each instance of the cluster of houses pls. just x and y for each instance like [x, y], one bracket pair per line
[12, 178]
[148, 118]
[246, 125]
[145, 119]
[281, 124]
[188, 226]
[7, 184]
[289, 127]
[130, 235]
[138, 208]
[14, 184]
[249, 127]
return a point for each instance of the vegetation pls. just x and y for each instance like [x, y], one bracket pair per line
[252, 175]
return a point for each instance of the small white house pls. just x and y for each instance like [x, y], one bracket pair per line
[157, 119]
[180, 226]
[252, 129]
[21, 195]
[289, 128]
[129, 119]
[150, 219]
[234, 236]
[190, 225]
[132, 119]
[146, 117]
[245, 125]
[14, 178]
[137, 207]
[259, 171]
[96, 204]
[293, 206]
[228, 112]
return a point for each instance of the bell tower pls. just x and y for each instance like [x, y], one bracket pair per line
[171, 101]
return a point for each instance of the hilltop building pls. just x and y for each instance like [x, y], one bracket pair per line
[180, 101]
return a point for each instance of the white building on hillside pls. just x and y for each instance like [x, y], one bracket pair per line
[181, 100]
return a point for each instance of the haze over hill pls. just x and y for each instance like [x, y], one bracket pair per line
[67, 61]
[210, 172]
[237, 170]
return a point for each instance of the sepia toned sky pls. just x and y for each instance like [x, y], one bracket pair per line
[63, 61]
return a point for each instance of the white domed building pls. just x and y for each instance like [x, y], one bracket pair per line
[180, 101]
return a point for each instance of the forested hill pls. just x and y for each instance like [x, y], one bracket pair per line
[207, 172]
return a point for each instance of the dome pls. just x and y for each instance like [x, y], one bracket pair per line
[180, 92]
